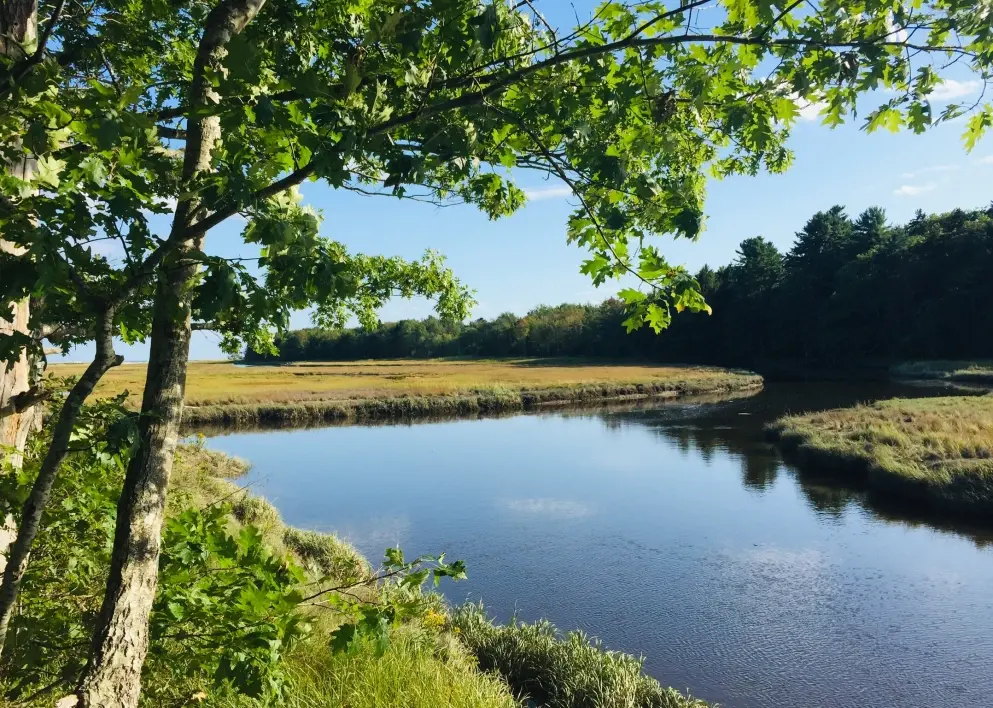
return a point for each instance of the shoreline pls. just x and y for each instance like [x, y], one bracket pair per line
[404, 408]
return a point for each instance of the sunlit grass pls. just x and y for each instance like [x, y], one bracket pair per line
[218, 383]
[964, 371]
[221, 392]
[937, 450]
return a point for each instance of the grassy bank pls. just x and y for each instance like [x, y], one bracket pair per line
[979, 372]
[226, 394]
[934, 451]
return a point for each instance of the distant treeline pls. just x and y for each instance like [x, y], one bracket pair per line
[847, 292]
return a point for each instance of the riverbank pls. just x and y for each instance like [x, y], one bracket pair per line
[226, 394]
[454, 653]
[937, 452]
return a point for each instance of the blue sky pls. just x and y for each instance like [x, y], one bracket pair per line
[517, 263]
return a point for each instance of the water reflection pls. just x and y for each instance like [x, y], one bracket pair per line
[735, 427]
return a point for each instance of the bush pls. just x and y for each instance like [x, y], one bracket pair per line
[561, 672]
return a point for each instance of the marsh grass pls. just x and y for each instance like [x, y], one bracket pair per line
[224, 393]
[421, 668]
[556, 671]
[936, 451]
[962, 371]
[201, 477]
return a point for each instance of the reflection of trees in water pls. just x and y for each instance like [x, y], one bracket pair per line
[710, 430]
[833, 496]
[759, 471]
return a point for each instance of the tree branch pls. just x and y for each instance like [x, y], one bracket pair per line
[500, 83]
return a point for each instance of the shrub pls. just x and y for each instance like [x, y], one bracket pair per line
[561, 672]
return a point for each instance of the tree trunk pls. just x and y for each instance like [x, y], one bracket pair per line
[18, 26]
[113, 676]
[17, 558]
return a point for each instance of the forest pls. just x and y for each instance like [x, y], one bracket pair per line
[849, 292]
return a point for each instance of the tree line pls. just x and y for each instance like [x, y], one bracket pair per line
[850, 291]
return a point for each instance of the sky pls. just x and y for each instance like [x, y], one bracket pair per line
[522, 261]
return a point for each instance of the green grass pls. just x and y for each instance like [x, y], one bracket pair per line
[937, 451]
[222, 393]
[202, 476]
[421, 668]
[961, 371]
[558, 671]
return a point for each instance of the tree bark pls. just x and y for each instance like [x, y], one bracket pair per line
[18, 26]
[113, 676]
[34, 507]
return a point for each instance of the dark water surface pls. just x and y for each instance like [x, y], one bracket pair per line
[670, 531]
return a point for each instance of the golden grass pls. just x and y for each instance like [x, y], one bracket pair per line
[227, 393]
[219, 383]
[935, 450]
[945, 370]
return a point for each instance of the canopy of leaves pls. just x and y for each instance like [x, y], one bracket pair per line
[440, 100]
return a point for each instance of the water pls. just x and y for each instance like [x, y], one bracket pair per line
[670, 531]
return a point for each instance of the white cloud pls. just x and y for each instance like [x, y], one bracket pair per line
[951, 89]
[812, 111]
[933, 169]
[988, 160]
[541, 193]
[913, 190]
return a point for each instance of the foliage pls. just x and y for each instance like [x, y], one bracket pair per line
[229, 607]
[633, 110]
[937, 451]
[225, 606]
[839, 297]
[51, 630]
[401, 598]
[561, 672]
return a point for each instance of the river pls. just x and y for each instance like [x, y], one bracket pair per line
[670, 531]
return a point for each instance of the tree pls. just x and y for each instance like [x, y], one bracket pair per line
[112, 173]
[19, 413]
[870, 230]
[631, 110]
[758, 268]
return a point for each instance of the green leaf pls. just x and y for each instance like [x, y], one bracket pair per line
[48, 170]
[343, 639]
[108, 133]
[631, 296]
